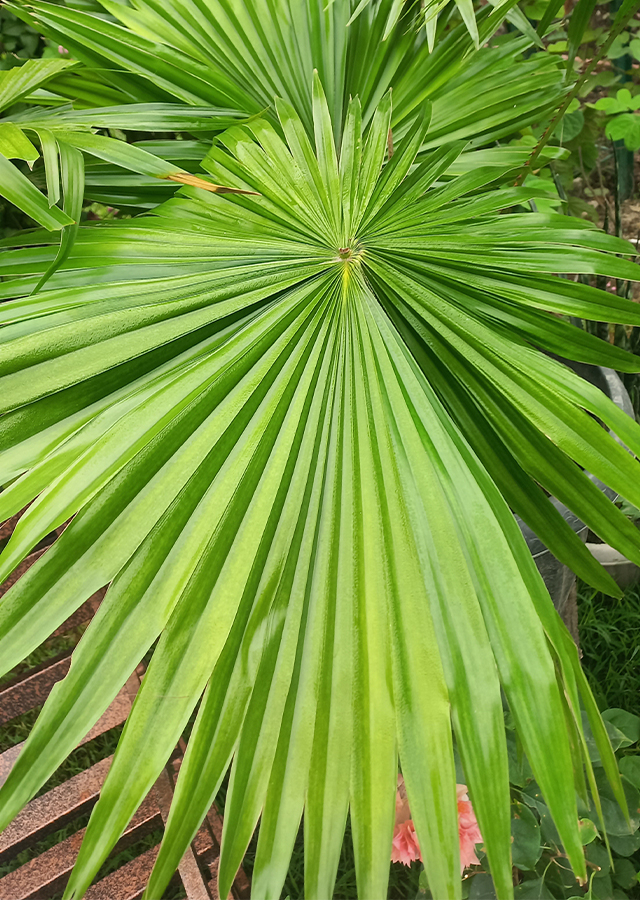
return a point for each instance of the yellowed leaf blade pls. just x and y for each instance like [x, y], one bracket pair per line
[196, 181]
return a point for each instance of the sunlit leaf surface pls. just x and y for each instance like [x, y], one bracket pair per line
[291, 426]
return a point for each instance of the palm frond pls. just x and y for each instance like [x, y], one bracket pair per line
[63, 133]
[290, 411]
[285, 449]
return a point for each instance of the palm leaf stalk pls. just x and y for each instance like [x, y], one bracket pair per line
[290, 424]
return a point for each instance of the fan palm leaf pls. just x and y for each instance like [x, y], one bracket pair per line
[288, 423]
[200, 62]
[63, 133]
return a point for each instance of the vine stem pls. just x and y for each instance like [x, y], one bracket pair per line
[618, 27]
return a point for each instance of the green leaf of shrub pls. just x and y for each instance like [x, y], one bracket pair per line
[525, 832]
[588, 831]
[570, 126]
[625, 875]
[627, 726]
[625, 128]
[630, 768]
[534, 889]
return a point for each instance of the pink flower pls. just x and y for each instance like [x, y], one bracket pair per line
[62, 50]
[468, 830]
[405, 846]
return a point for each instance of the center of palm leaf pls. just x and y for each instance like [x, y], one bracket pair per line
[350, 254]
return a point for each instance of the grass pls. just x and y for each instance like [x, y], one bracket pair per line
[610, 643]
[17, 729]
[51, 648]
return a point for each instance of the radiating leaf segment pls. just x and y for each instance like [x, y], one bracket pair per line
[263, 450]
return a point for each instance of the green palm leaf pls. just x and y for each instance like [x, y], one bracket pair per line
[63, 132]
[197, 65]
[430, 10]
[16, 83]
[287, 422]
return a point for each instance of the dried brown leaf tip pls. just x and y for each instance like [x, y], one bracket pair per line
[196, 181]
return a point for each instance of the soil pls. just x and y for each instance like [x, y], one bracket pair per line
[630, 216]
